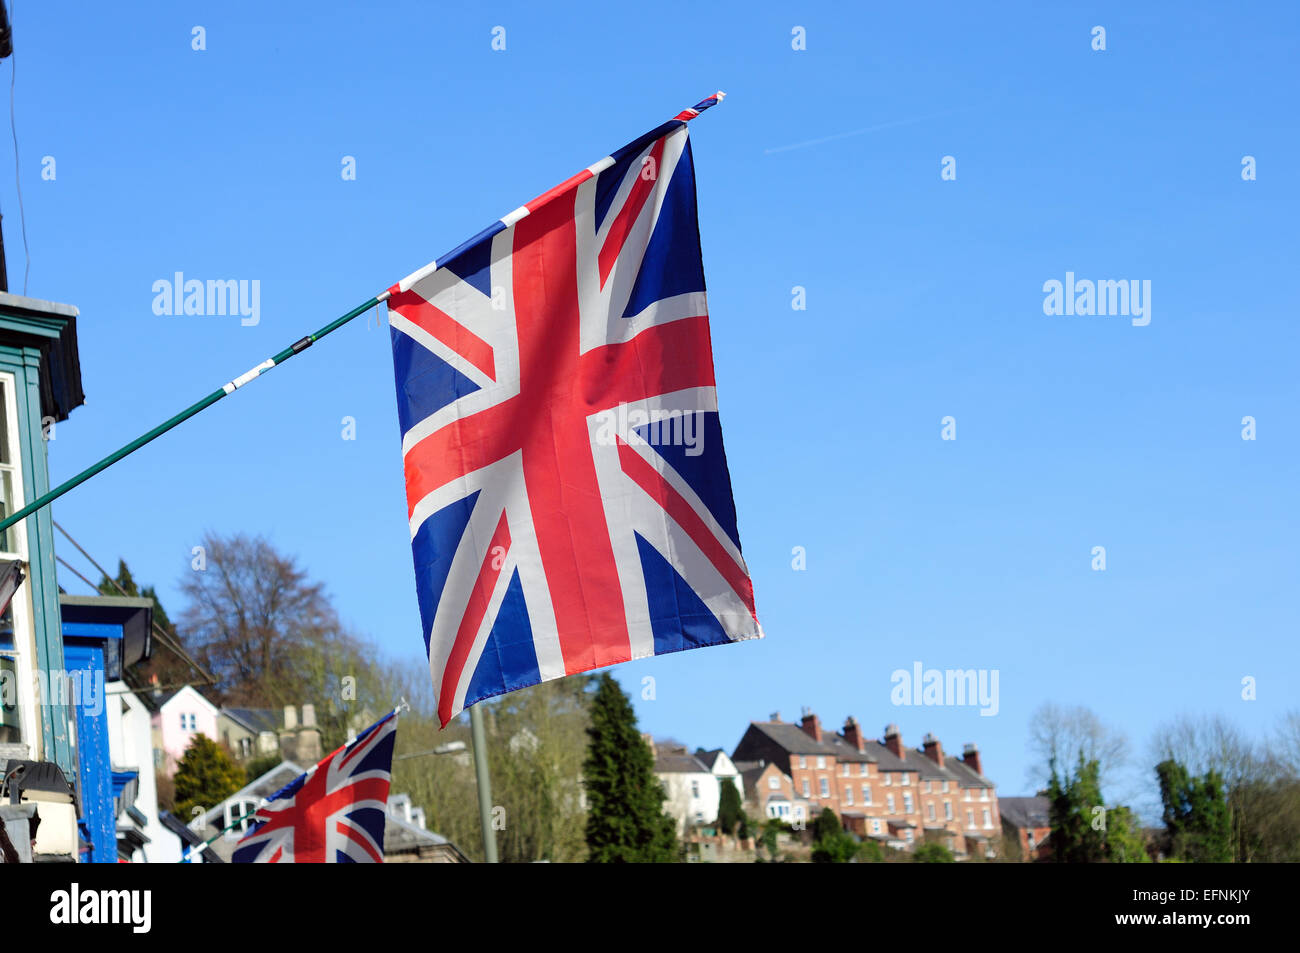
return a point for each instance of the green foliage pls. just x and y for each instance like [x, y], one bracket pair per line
[1084, 831]
[1125, 842]
[625, 818]
[1196, 814]
[826, 826]
[536, 742]
[932, 852]
[205, 777]
[730, 811]
[1074, 798]
[831, 845]
[258, 766]
[870, 852]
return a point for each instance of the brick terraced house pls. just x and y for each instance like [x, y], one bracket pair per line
[879, 789]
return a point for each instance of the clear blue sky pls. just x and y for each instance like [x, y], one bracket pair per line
[924, 299]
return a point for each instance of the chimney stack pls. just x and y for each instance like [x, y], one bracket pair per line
[853, 733]
[812, 725]
[775, 716]
[970, 756]
[308, 744]
[933, 749]
[649, 739]
[894, 742]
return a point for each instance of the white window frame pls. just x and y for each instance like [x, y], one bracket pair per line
[907, 779]
[236, 808]
[848, 795]
[824, 786]
[866, 794]
[862, 771]
[773, 783]
[889, 804]
[947, 810]
[821, 762]
[908, 804]
[24, 650]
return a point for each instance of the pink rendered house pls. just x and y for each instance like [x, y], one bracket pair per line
[180, 717]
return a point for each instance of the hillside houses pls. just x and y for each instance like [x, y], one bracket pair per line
[880, 789]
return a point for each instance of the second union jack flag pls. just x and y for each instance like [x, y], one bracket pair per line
[569, 500]
[334, 813]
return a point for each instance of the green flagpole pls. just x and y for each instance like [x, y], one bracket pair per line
[484, 785]
[188, 412]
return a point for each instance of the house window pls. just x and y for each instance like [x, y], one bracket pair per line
[889, 804]
[945, 787]
[245, 747]
[1031, 840]
[11, 479]
[848, 794]
[803, 761]
[984, 794]
[886, 779]
[821, 762]
[907, 836]
[968, 794]
[970, 818]
[907, 803]
[17, 708]
[947, 810]
[774, 783]
[988, 819]
[239, 816]
[699, 817]
[927, 787]
[866, 794]
[907, 778]
[844, 769]
[825, 787]
[695, 789]
[875, 827]
[806, 792]
[862, 770]
[929, 810]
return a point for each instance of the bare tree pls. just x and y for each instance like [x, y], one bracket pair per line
[1204, 743]
[1060, 735]
[252, 618]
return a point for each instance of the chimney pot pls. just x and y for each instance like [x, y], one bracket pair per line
[853, 733]
[894, 742]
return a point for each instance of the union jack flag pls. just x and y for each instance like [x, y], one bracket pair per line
[333, 814]
[569, 500]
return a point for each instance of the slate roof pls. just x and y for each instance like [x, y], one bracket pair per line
[792, 738]
[254, 719]
[966, 775]
[710, 758]
[679, 764]
[845, 751]
[401, 835]
[1026, 812]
